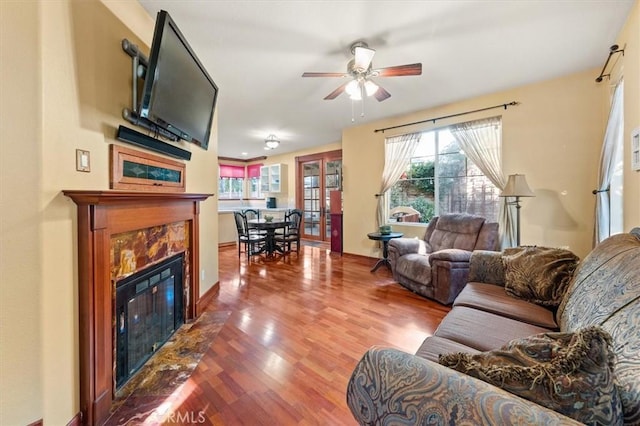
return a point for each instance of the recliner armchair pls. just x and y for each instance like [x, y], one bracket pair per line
[437, 266]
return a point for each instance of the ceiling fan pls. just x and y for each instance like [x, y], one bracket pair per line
[360, 70]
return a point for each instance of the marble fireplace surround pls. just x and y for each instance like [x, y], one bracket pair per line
[102, 215]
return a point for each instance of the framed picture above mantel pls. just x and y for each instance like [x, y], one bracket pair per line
[135, 170]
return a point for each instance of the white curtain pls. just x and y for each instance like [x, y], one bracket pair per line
[607, 165]
[397, 154]
[481, 141]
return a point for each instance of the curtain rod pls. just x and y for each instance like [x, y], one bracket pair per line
[514, 103]
[612, 51]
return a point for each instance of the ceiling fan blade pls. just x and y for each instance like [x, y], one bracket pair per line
[336, 92]
[325, 74]
[398, 71]
[363, 58]
[381, 94]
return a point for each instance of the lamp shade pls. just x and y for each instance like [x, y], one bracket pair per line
[370, 87]
[355, 88]
[352, 88]
[517, 187]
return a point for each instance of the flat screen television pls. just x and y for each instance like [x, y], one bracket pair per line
[178, 94]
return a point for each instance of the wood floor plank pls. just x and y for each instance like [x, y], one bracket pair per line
[298, 326]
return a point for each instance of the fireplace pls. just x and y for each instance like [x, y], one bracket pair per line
[103, 218]
[148, 311]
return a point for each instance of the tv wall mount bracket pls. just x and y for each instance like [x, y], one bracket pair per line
[139, 64]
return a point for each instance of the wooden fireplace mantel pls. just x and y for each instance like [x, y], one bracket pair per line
[115, 197]
[102, 214]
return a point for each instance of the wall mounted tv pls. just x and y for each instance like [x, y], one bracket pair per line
[178, 93]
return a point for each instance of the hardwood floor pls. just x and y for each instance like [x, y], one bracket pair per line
[298, 325]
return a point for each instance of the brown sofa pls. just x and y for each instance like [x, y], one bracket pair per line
[437, 265]
[390, 386]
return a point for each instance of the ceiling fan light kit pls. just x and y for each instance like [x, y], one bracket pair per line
[360, 71]
[355, 88]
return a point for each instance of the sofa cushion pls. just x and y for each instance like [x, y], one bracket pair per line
[605, 291]
[458, 231]
[416, 266]
[434, 346]
[482, 330]
[538, 274]
[390, 387]
[571, 373]
[493, 298]
[486, 267]
[626, 344]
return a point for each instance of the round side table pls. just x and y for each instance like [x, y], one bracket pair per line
[377, 236]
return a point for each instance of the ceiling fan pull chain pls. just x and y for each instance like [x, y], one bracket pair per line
[353, 115]
[362, 93]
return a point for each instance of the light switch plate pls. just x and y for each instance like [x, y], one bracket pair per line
[635, 149]
[83, 161]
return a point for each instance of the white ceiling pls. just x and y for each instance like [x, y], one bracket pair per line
[256, 51]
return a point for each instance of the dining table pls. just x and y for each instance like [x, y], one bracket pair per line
[270, 226]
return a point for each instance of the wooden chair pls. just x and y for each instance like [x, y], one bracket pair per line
[251, 240]
[252, 214]
[292, 232]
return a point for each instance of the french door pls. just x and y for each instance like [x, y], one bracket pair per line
[317, 176]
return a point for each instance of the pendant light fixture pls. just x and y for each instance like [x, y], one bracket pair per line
[271, 142]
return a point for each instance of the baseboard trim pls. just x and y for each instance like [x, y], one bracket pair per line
[229, 244]
[358, 256]
[76, 420]
[206, 298]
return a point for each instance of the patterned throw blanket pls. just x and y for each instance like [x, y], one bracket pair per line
[539, 275]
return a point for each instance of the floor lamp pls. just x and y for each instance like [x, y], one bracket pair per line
[517, 187]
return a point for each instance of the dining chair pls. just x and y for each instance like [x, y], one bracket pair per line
[292, 231]
[286, 218]
[251, 240]
[252, 214]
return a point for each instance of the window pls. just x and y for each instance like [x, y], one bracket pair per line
[231, 183]
[253, 174]
[440, 179]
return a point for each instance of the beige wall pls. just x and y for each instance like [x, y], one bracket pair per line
[69, 65]
[629, 67]
[21, 248]
[553, 137]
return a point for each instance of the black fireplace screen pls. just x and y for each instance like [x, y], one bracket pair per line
[149, 309]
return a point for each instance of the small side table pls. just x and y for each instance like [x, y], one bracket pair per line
[376, 236]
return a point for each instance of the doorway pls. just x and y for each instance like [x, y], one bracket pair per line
[317, 175]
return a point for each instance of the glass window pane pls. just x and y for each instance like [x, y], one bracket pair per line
[444, 183]
[454, 164]
[308, 181]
